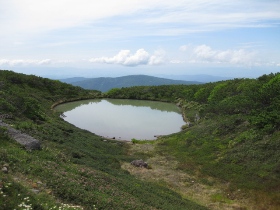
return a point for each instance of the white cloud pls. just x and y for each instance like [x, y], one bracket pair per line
[176, 61]
[35, 16]
[204, 53]
[184, 47]
[157, 58]
[126, 58]
[20, 62]
[44, 62]
[32, 15]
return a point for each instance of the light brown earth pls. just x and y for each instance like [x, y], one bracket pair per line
[163, 170]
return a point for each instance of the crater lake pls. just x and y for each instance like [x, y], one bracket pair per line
[124, 119]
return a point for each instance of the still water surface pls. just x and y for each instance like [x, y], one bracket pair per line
[124, 119]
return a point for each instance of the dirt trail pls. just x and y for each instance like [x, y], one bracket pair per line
[164, 171]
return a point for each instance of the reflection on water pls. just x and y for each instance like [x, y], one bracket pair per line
[162, 106]
[72, 105]
[124, 119]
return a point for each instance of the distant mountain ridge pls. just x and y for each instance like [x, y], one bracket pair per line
[204, 78]
[107, 83]
[73, 79]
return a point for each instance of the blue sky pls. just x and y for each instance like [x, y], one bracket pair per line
[65, 38]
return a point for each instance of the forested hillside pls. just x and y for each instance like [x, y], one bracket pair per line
[233, 132]
[257, 99]
[30, 96]
[231, 142]
[74, 169]
[106, 83]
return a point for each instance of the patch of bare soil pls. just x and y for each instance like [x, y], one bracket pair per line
[164, 171]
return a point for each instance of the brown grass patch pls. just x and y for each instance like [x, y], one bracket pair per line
[205, 191]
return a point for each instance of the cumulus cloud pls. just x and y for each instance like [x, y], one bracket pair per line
[126, 58]
[204, 53]
[20, 62]
[157, 58]
[82, 23]
[183, 48]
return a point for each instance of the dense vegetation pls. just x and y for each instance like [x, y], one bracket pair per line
[257, 99]
[234, 134]
[106, 83]
[75, 169]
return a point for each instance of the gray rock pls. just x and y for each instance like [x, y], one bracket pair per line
[139, 163]
[5, 170]
[35, 191]
[189, 124]
[197, 117]
[23, 139]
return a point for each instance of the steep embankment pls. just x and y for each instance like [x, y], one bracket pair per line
[74, 169]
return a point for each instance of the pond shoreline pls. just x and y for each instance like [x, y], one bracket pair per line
[123, 118]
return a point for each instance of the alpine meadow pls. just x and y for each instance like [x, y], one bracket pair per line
[226, 156]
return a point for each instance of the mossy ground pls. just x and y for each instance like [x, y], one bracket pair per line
[77, 168]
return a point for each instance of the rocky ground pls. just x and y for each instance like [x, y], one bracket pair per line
[23, 139]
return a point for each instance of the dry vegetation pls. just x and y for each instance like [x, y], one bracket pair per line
[203, 190]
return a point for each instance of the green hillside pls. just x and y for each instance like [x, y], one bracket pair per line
[75, 169]
[233, 134]
[106, 83]
[226, 156]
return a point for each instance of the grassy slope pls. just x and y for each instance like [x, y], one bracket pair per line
[237, 138]
[74, 167]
